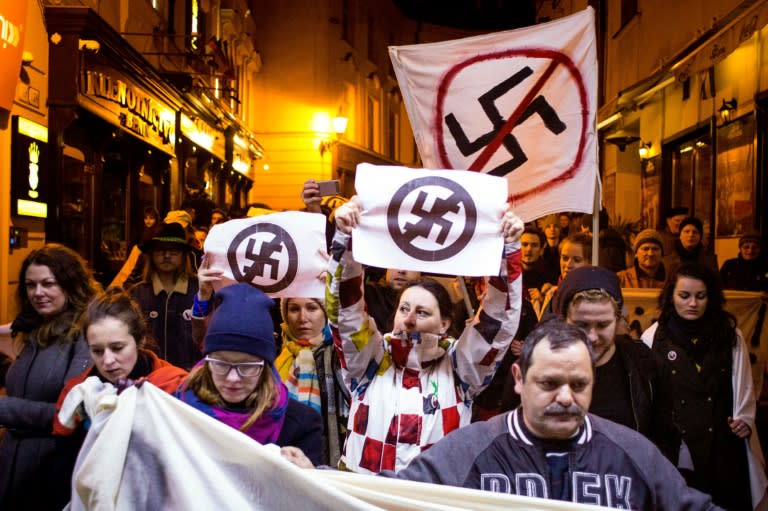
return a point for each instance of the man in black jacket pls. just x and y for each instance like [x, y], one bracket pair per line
[631, 385]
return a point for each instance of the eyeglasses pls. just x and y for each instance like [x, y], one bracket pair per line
[244, 369]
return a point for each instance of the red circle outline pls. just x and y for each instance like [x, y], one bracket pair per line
[442, 92]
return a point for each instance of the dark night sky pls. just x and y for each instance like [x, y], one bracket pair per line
[471, 14]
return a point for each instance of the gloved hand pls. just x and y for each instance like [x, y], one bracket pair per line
[124, 383]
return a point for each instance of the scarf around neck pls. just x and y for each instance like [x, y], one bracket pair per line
[296, 366]
[265, 430]
[418, 351]
[691, 335]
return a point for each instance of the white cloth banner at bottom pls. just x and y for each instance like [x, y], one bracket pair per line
[148, 450]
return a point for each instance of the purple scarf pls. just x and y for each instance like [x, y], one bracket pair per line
[265, 430]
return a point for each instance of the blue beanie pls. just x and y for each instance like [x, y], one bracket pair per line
[582, 279]
[242, 322]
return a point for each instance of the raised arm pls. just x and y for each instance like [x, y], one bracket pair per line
[355, 336]
[485, 340]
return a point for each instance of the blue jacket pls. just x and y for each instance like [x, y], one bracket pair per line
[169, 320]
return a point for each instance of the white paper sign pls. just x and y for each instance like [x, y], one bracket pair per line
[440, 221]
[276, 252]
[519, 104]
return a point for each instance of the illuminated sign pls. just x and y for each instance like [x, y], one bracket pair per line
[120, 101]
[202, 134]
[31, 208]
[29, 147]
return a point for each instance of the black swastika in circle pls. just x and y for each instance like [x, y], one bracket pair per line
[261, 260]
[488, 103]
[428, 219]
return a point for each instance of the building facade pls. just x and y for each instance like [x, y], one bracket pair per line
[681, 116]
[119, 106]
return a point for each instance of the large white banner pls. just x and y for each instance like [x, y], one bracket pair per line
[279, 253]
[440, 221]
[148, 450]
[519, 104]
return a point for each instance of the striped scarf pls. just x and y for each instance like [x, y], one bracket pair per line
[296, 365]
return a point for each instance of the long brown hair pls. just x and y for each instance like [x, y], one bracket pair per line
[261, 400]
[76, 281]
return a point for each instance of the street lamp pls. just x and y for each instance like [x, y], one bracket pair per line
[727, 111]
[339, 124]
[644, 151]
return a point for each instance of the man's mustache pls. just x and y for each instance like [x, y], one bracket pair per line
[558, 409]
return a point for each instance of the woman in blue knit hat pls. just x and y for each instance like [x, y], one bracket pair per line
[237, 382]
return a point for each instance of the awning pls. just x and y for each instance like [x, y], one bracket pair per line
[701, 54]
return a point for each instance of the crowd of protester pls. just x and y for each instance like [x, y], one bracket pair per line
[375, 375]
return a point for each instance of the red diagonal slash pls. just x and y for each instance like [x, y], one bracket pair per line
[491, 148]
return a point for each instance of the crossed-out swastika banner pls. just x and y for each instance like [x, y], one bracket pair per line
[278, 253]
[519, 104]
[441, 221]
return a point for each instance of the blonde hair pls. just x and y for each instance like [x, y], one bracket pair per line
[262, 399]
[595, 296]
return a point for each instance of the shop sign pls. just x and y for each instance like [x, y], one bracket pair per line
[126, 104]
[13, 15]
[29, 149]
[204, 135]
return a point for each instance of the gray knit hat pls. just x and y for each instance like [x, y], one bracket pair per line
[648, 236]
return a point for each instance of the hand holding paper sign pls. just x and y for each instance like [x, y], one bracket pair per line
[511, 226]
[208, 278]
[440, 221]
[278, 253]
[348, 215]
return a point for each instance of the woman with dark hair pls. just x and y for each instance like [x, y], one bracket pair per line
[55, 286]
[114, 329]
[714, 402]
[411, 387]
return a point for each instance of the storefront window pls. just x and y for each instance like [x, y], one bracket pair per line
[736, 177]
[691, 179]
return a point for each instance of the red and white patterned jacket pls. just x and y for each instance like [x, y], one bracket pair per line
[399, 410]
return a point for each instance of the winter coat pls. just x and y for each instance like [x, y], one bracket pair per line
[699, 254]
[35, 466]
[608, 465]
[634, 277]
[738, 273]
[650, 395]
[406, 397]
[169, 319]
[703, 401]
[161, 374]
